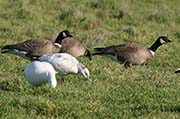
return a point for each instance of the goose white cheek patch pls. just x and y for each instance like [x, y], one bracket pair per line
[162, 41]
[64, 34]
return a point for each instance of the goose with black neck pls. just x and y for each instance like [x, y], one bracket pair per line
[131, 53]
[72, 46]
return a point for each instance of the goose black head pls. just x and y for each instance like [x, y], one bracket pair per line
[160, 41]
[63, 34]
[164, 39]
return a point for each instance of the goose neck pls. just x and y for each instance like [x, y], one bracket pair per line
[155, 46]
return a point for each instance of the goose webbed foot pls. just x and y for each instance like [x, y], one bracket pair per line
[145, 64]
[127, 65]
[62, 79]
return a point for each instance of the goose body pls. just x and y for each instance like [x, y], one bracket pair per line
[131, 53]
[37, 73]
[64, 64]
[33, 48]
[71, 45]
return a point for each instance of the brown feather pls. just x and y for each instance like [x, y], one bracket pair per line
[33, 48]
[73, 47]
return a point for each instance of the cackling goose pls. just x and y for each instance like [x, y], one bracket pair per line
[131, 53]
[33, 48]
[72, 46]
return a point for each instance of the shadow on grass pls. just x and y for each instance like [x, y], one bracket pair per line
[8, 86]
[161, 108]
[170, 108]
[5, 89]
[144, 109]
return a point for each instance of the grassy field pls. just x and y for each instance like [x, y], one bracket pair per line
[147, 92]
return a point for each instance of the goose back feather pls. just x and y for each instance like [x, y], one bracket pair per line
[33, 48]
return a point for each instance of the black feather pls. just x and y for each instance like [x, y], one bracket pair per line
[6, 47]
[88, 54]
[178, 71]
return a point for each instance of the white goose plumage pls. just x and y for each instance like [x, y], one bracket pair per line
[64, 64]
[38, 73]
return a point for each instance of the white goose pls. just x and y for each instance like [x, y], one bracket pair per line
[64, 64]
[38, 73]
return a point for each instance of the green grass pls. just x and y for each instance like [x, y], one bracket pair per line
[147, 92]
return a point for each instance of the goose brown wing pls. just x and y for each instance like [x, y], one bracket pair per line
[29, 45]
[121, 49]
[70, 43]
[117, 49]
[134, 53]
[128, 48]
